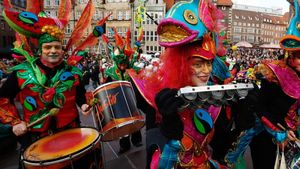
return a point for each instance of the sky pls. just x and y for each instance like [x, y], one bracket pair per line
[265, 3]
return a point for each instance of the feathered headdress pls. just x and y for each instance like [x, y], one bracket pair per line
[35, 24]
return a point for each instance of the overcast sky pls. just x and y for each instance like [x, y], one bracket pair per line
[265, 3]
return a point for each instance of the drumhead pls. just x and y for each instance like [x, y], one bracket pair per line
[110, 85]
[60, 145]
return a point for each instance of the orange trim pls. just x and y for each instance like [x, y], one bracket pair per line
[118, 122]
[111, 85]
[60, 145]
[286, 38]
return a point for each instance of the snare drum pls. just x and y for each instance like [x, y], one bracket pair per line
[117, 110]
[72, 148]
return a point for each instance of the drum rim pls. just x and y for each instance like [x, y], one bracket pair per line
[103, 133]
[63, 158]
[109, 83]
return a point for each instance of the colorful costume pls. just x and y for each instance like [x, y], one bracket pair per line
[123, 54]
[190, 29]
[39, 87]
[277, 107]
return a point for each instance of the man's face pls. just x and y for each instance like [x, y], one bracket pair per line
[52, 52]
[201, 70]
[294, 61]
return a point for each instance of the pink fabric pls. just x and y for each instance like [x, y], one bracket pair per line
[288, 79]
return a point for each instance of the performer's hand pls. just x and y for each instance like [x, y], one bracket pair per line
[86, 109]
[168, 104]
[20, 129]
[291, 135]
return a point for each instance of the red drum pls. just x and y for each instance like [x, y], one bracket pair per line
[72, 148]
[117, 110]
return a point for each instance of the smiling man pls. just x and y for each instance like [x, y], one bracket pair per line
[44, 83]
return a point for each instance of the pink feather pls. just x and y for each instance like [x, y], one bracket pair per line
[210, 15]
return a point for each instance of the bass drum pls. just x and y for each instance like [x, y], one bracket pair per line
[117, 110]
[77, 148]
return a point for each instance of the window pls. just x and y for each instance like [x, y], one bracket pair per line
[110, 32]
[250, 38]
[250, 30]
[125, 30]
[56, 2]
[119, 30]
[237, 30]
[111, 17]
[147, 35]
[47, 3]
[234, 23]
[151, 36]
[68, 29]
[127, 15]
[120, 15]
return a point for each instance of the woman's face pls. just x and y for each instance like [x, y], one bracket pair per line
[294, 61]
[201, 70]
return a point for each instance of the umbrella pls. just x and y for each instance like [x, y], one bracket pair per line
[270, 46]
[243, 44]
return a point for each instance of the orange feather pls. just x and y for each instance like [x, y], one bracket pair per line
[82, 24]
[119, 40]
[64, 10]
[35, 6]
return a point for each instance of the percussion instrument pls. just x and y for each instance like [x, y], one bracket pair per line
[117, 110]
[215, 94]
[72, 148]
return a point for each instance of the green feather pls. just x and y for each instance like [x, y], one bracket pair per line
[59, 100]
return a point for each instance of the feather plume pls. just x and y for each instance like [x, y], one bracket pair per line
[119, 40]
[141, 35]
[35, 6]
[102, 21]
[91, 40]
[64, 10]
[82, 24]
[210, 15]
[105, 39]
[22, 40]
[7, 4]
[128, 51]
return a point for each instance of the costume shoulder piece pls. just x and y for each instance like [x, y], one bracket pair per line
[278, 72]
[264, 71]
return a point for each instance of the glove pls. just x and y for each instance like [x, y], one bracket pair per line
[168, 105]
[167, 102]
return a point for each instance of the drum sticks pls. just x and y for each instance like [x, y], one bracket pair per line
[52, 112]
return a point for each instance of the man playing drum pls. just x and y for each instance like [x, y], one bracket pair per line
[123, 59]
[47, 87]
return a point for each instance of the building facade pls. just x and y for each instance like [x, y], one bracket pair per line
[7, 35]
[243, 23]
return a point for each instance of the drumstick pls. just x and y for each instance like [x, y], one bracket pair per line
[52, 112]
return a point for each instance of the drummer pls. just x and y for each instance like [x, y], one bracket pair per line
[122, 63]
[43, 84]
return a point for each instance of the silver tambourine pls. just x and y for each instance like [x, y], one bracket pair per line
[216, 94]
